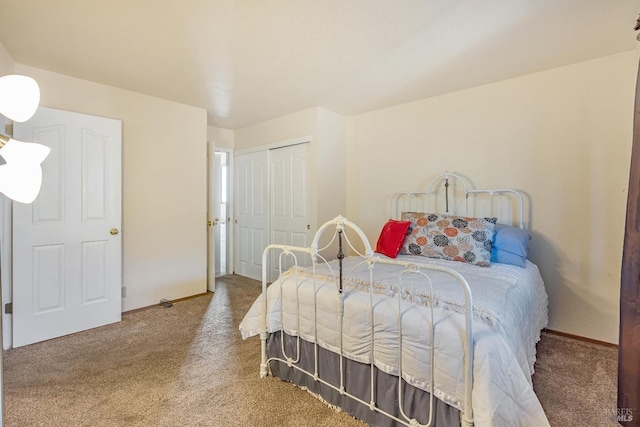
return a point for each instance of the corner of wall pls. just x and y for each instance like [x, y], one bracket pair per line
[294, 125]
[332, 164]
[352, 172]
[222, 138]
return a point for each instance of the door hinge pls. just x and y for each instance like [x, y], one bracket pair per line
[8, 129]
[8, 308]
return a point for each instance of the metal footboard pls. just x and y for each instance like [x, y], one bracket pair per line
[339, 225]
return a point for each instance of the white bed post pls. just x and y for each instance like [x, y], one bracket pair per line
[263, 332]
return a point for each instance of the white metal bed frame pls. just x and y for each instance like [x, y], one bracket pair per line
[505, 203]
[340, 226]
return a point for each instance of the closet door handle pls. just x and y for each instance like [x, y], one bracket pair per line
[114, 231]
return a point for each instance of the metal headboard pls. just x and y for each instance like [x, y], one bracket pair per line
[449, 193]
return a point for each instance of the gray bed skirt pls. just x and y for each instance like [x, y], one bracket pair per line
[358, 383]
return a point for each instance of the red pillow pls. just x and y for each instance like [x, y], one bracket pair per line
[392, 237]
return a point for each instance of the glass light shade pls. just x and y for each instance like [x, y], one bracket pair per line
[20, 183]
[21, 175]
[19, 97]
[29, 153]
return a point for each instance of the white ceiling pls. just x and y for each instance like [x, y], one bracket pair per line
[247, 61]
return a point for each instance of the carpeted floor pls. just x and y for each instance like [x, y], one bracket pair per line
[188, 366]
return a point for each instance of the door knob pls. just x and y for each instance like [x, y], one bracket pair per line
[113, 231]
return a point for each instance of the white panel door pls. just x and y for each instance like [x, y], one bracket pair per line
[289, 202]
[251, 212]
[67, 244]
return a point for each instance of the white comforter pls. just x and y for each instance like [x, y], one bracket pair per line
[510, 309]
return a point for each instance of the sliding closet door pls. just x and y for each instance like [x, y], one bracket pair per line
[289, 202]
[252, 212]
[272, 206]
[629, 346]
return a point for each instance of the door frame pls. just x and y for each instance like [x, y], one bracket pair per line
[230, 213]
[279, 144]
[211, 252]
[6, 261]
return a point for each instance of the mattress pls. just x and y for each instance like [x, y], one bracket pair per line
[509, 307]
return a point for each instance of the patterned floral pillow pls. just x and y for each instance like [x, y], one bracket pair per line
[455, 238]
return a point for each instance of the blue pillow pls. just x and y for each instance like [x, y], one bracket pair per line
[504, 257]
[510, 245]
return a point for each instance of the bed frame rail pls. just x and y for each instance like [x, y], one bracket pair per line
[340, 225]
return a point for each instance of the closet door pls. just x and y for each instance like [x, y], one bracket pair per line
[252, 212]
[272, 206]
[289, 205]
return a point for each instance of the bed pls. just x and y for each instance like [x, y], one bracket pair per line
[418, 332]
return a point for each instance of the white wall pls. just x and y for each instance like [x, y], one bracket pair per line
[562, 136]
[164, 183]
[223, 138]
[302, 123]
[331, 163]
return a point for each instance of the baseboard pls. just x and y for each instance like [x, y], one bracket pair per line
[580, 338]
[135, 310]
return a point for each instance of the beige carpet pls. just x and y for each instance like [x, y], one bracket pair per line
[188, 366]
